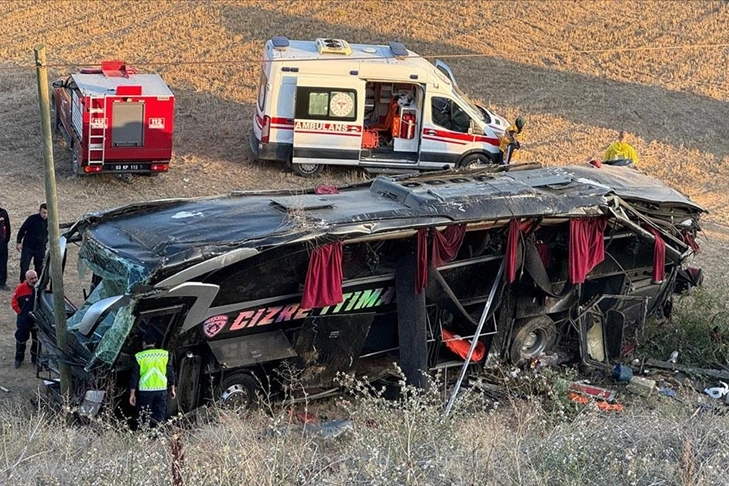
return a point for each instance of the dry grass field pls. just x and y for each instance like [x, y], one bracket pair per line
[577, 71]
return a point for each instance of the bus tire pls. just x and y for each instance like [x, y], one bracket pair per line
[237, 391]
[531, 338]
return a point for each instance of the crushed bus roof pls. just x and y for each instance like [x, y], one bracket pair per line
[179, 233]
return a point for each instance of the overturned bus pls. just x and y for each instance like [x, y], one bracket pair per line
[523, 259]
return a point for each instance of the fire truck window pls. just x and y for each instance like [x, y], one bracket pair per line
[127, 128]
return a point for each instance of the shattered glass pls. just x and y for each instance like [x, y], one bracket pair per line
[118, 276]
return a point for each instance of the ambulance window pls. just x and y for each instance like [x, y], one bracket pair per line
[326, 104]
[319, 104]
[447, 114]
[262, 90]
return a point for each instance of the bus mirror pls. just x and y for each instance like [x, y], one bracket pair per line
[93, 315]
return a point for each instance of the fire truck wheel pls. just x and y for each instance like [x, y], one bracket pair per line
[307, 170]
[473, 159]
[238, 391]
[532, 337]
[75, 166]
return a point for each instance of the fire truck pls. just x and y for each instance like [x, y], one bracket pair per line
[115, 120]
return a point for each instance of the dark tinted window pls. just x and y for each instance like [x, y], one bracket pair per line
[326, 104]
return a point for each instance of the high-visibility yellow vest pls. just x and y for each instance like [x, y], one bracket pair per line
[152, 369]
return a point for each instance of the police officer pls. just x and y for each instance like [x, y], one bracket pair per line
[152, 376]
[22, 304]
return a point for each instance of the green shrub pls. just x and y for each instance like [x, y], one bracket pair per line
[698, 329]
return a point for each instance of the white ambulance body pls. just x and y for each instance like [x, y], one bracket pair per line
[380, 107]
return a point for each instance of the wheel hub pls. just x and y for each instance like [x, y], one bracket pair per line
[235, 397]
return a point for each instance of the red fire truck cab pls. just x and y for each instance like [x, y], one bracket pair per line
[115, 120]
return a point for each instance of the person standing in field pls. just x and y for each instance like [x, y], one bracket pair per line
[153, 376]
[22, 304]
[4, 241]
[621, 149]
[31, 241]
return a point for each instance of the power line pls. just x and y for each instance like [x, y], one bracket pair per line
[429, 56]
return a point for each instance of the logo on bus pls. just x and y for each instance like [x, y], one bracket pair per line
[263, 316]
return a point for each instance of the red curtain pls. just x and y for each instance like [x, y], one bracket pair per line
[587, 246]
[446, 244]
[659, 256]
[689, 240]
[512, 242]
[323, 284]
[421, 271]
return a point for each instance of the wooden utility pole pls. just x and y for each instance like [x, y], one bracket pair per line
[53, 222]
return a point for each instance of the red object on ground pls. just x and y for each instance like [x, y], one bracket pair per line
[326, 189]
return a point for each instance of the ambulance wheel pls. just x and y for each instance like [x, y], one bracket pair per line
[473, 159]
[307, 170]
[532, 337]
[238, 391]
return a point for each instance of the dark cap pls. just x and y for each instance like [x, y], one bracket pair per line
[149, 338]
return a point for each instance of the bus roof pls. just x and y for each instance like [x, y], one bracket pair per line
[175, 234]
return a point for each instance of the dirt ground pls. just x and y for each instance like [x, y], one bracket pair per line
[658, 72]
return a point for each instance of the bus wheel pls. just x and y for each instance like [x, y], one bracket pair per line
[532, 337]
[238, 391]
[475, 159]
[307, 170]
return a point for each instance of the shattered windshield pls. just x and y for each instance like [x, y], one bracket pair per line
[113, 276]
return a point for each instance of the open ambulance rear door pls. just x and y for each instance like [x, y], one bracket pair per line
[328, 121]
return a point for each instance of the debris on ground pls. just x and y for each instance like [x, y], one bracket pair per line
[588, 390]
[717, 391]
[641, 386]
[666, 365]
[600, 404]
[330, 429]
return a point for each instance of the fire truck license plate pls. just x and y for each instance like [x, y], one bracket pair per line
[121, 167]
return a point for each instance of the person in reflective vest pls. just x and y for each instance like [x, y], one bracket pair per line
[152, 378]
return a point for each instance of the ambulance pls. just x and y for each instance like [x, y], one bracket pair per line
[380, 107]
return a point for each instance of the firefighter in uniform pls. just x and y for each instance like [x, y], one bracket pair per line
[152, 378]
[509, 143]
[22, 304]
